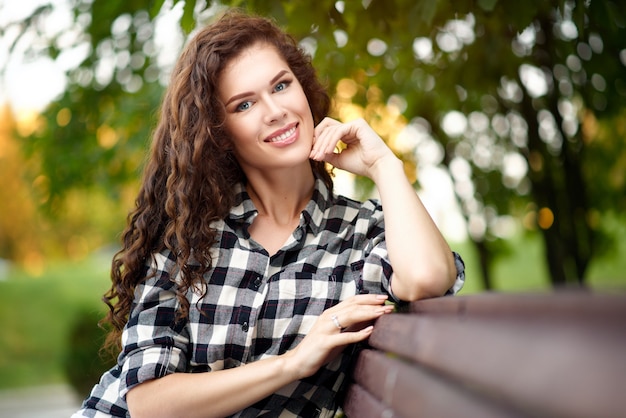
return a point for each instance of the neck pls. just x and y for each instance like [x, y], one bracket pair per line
[281, 197]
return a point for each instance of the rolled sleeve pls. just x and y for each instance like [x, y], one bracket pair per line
[377, 270]
[154, 342]
[460, 275]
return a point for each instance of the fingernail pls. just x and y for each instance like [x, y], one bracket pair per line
[381, 297]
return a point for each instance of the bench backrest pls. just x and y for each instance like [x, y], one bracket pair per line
[493, 355]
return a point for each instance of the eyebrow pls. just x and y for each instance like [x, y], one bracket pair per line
[249, 93]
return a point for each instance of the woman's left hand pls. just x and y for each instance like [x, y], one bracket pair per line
[364, 148]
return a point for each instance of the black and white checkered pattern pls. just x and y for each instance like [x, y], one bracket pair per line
[255, 305]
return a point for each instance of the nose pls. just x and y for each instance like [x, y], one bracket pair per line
[274, 110]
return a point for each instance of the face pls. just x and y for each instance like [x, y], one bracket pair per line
[267, 113]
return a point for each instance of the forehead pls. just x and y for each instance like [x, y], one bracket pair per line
[255, 62]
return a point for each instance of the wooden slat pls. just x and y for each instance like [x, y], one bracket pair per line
[416, 392]
[358, 403]
[548, 368]
[610, 308]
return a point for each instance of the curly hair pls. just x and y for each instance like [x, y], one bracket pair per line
[187, 181]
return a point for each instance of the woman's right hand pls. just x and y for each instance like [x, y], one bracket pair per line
[364, 150]
[224, 392]
[348, 322]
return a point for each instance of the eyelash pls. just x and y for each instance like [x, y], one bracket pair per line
[284, 83]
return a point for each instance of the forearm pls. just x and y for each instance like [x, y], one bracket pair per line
[224, 392]
[211, 394]
[422, 261]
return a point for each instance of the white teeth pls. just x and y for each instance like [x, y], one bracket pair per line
[283, 136]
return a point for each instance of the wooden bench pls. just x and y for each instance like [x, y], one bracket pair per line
[495, 355]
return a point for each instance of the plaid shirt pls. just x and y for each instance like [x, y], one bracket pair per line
[255, 305]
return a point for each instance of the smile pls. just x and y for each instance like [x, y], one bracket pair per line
[282, 137]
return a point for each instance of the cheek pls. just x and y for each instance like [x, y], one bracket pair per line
[306, 108]
[238, 130]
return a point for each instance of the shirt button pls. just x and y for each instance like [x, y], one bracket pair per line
[257, 283]
[245, 327]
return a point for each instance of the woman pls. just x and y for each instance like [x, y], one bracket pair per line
[242, 277]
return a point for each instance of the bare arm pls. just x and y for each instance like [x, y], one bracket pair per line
[224, 392]
[212, 394]
[422, 261]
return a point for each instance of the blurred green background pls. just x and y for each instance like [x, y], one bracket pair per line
[510, 118]
[40, 313]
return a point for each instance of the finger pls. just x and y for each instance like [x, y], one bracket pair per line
[341, 339]
[348, 317]
[326, 122]
[358, 326]
[332, 159]
[352, 337]
[353, 302]
[332, 131]
[357, 308]
[367, 298]
[326, 141]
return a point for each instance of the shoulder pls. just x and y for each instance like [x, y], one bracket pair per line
[329, 211]
[348, 208]
[161, 272]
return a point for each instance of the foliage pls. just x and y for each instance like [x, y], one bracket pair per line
[37, 313]
[40, 313]
[18, 237]
[520, 102]
[83, 362]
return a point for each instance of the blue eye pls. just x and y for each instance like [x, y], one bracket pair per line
[243, 106]
[281, 86]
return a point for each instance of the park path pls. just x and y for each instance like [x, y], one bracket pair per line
[55, 401]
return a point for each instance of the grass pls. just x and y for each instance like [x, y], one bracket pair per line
[522, 271]
[37, 313]
[525, 268]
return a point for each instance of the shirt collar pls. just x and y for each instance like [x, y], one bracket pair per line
[243, 210]
[313, 214]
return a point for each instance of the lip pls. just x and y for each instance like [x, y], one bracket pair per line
[273, 138]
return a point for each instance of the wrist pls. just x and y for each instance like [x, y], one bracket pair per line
[288, 365]
[387, 166]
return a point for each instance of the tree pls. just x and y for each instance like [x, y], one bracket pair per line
[524, 100]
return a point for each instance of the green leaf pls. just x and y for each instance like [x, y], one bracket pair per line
[427, 10]
[487, 5]
[188, 22]
[156, 8]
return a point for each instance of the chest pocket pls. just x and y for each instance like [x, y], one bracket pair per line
[295, 299]
[297, 294]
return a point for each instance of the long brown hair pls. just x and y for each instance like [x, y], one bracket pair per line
[188, 178]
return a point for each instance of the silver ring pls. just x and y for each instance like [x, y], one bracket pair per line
[336, 321]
